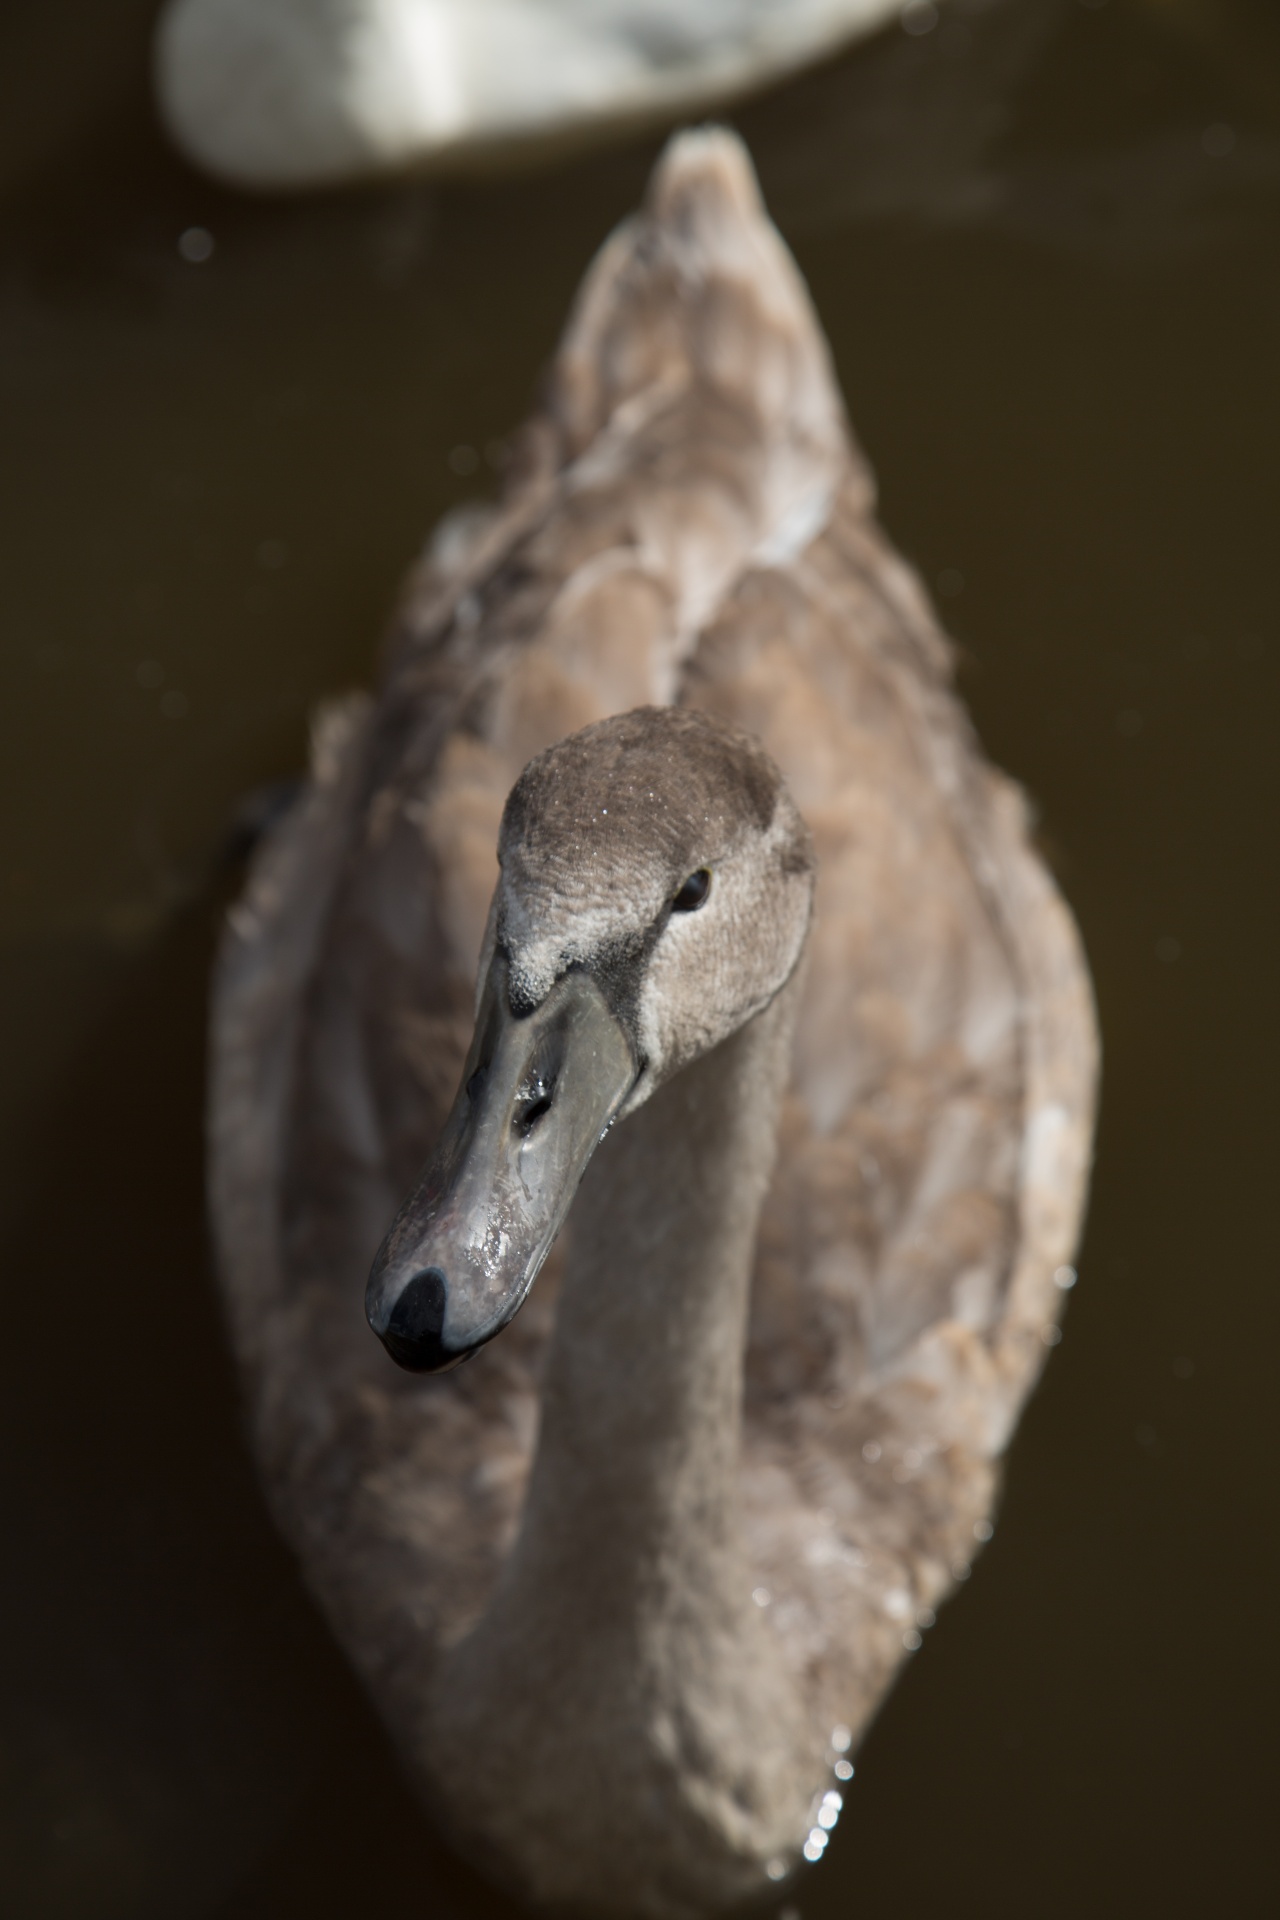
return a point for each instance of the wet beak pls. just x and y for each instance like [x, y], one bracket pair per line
[537, 1096]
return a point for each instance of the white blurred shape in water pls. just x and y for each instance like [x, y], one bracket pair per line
[297, 93]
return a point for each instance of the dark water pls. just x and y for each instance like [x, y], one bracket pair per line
[1045, 241]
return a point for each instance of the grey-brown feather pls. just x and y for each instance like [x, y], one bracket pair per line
[688, 522]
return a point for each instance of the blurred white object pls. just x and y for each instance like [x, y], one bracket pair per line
[297, 93]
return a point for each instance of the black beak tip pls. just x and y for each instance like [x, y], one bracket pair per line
[414, 1333]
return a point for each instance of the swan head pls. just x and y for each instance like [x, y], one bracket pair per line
[654, 893]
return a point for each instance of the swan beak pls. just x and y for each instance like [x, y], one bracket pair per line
[538, 1094]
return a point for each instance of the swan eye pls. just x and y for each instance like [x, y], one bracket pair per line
[694, 891]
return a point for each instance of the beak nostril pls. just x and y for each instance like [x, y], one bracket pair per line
[533, 1101]
[414, 1335]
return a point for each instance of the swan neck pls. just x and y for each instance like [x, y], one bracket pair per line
[638, 1460]
[626, 1600]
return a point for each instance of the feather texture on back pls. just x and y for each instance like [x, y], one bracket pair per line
[687, 521]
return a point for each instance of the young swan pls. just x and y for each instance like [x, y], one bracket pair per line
[619, 1714]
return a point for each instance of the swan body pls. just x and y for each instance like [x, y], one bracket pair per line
[296, 93]
[628, 1585]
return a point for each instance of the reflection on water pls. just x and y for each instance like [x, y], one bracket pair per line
[1043, 237]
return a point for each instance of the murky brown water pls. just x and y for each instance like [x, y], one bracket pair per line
[1047, 249]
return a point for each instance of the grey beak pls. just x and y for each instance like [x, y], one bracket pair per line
[538, 1094]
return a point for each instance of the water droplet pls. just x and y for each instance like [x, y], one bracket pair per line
[827, 1818]
[1065, 1278]
[776, 1870]
[841, 1739]
[926, 1617]
[919, 17]
[871, 1451]
[982, 1529]
[1051, 1336]
[911, 1640]
[761, 1596]
[833, 1799]
[195, 244]
[812, 1851]
[843, 1770]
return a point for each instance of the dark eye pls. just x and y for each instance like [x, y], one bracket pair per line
[694, 891]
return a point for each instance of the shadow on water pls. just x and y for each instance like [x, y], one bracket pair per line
[1043, 240]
